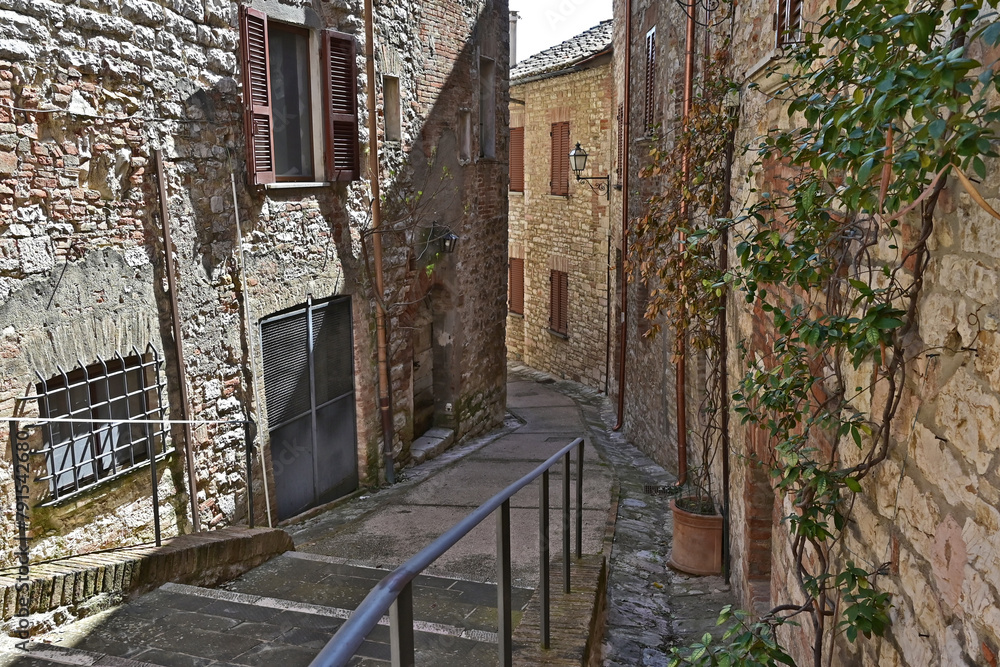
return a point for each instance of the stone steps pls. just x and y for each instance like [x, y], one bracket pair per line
[431, 444]
[283, 613]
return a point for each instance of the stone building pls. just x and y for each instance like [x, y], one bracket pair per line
[244, 128]
[558, 319]
[928, 520]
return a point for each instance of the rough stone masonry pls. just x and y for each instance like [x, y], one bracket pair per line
[91, 89]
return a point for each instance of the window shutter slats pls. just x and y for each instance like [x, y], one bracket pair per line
[560, 159]
[340, 77]
[256, 96]
[516, 285]
[648, 110]
[517, 159]
[559, 301]
[563, 303]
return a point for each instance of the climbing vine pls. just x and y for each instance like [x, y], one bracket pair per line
[887, 102]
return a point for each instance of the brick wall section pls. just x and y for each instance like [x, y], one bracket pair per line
[81, 256]
[566, 233]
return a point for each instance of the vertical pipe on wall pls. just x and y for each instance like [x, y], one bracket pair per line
[384, 402]
[168, 244]
[623, 335]
[690, 47]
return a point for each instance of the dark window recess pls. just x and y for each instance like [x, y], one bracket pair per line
[291, 102]
[391, 108]
[517, 159]
[559, 179]
[79, 454]
[648, 115]
[559, 302]
[516, 281]
[788, 22]
[278, 119]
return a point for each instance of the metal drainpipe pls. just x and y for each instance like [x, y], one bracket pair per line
[682, 331]
[623, 334]
[385, 404]
[168, 244]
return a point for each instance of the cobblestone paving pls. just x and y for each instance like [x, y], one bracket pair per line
[650, 607]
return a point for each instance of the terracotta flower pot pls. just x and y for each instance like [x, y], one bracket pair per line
[697, 542]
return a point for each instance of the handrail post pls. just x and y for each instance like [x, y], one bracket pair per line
[565, 523]
[401, 628]
[579, 500]
[505, 643]
[543, 554]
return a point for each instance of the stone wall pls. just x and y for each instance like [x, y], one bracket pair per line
[929, 517]
[569, 233]
[89, 92]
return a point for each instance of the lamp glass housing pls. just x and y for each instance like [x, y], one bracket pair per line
[578, 159]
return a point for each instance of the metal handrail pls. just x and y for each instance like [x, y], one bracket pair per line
[394, 594]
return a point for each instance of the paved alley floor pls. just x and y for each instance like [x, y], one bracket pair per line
[284, 611]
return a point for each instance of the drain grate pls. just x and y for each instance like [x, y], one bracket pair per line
[656, 490]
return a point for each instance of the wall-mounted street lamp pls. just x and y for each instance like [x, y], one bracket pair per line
[578, 162]
[449, 241]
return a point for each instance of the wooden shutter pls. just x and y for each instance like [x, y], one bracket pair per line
[516, 280]
[343, 156]
[558, 301]
[621, 140]
[517, 159]
[256, 96]
[648, 115]
[788, 22]
[559, 183]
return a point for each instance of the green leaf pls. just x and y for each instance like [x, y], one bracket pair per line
[992, 34]
[866, 170]
[977, 163]
[852, 483]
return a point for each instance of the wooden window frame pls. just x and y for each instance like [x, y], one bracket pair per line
[559, 302]
[559, 172]
[339, 117]
[517, 159]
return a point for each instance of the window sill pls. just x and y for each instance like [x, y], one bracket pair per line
[519, 316]
[767, 73]
[563, 197]
[102, 485]
[516, 193]
[295, 185]
[557, 334]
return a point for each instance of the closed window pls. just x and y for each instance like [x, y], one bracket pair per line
[89, 447]
[788, 22]
[559, 302]
[517, 159]
[391, 108]
[649, 108]
[516, 283]
[283, 137]
[559, 182]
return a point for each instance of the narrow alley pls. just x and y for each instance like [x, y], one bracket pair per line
[284, 611]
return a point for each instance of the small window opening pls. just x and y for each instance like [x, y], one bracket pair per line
[391, 108]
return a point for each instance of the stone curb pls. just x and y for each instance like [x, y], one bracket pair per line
[79, 586]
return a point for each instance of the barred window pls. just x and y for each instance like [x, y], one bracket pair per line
[79, 454]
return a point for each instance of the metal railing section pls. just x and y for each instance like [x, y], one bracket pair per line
[394, 594]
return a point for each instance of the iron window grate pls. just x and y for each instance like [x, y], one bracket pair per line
[100, 420]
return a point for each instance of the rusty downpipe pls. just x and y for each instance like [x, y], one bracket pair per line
[623, 333]
[384, 402]
[681, 373]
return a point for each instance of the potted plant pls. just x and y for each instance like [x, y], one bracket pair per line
[698, 525]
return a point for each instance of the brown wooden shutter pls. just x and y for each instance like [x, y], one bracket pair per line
[516, 280]
[648, 110]
[343, 155]
[621, 140]
[517, 159]
[256, 96]
[559, 301]
[559, 184]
